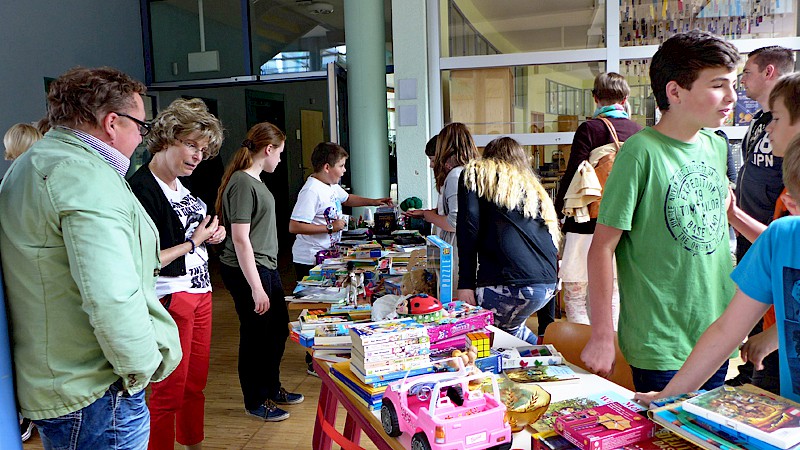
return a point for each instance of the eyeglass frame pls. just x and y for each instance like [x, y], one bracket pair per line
[142, 124]
[194, 148]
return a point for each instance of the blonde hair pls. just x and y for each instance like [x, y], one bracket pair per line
[184, 118]
[260, 135]
[791, 168]
[454, 147]
[19, 138]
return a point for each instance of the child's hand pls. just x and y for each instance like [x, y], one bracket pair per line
[759, 346]
[338, 225]
[467, 296]
[383, 201]
[645, 398]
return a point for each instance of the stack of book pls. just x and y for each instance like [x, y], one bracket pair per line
[388, 350]
[743, 417]
[369, 395]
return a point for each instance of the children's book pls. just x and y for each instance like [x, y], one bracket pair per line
[571, 405]
[386, 332]
[604, 427]
[371, 405]
[543, 374]
[337, 333]
[372, 389]
[333, 356]
[310, 321]
[673, 418]
[752, 411]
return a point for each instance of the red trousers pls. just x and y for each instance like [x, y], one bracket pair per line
[177, 403]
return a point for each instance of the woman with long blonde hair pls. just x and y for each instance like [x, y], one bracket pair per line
[249, 271]
[508, 235]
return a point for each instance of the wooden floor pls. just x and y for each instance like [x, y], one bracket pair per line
[226, 425]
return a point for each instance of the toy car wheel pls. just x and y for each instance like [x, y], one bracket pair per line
[420, 442]
[389, 419]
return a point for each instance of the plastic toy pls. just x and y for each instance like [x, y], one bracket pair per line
[480, 341]
[421, 307]
[353, 284]
[440, 411]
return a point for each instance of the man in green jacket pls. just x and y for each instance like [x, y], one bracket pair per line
[80, 259]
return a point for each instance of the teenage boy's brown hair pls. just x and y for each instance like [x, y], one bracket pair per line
[787, 90]
[682, 57]
[327, 153]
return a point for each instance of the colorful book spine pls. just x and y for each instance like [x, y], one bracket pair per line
[391, 376]
[384, 367]
[392, 353]
[386, 332]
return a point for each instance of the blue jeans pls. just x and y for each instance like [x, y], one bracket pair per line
[512, 305]
[646, 380]
[114, 421]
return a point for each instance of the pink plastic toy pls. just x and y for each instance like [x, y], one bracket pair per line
[441, 412]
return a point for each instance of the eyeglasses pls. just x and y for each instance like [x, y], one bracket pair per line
[144, 127]
[194, 148]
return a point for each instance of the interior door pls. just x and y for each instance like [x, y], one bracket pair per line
[312, 132]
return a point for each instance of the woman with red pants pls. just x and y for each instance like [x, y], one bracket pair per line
[182, 136]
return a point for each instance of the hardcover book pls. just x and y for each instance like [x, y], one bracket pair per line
[390, 376]
[542, 374]
[604, 427]
[332, 334]
[310, 321]
[752, 411]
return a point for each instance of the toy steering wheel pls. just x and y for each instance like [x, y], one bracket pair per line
[424, 392]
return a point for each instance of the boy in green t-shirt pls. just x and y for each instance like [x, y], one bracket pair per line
[664, 216]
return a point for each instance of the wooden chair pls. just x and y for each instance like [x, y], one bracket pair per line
[570, 338]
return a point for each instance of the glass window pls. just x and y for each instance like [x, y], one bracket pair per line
[182, 52]
[645, 23]
[480, 27]
[523, 99]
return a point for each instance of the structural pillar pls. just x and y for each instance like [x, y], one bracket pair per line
[365, 37]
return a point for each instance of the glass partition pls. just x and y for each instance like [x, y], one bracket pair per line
[646, 23]
[195, 40]
[522, 99]
[484, 27]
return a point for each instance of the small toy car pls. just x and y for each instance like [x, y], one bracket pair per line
[441, 412]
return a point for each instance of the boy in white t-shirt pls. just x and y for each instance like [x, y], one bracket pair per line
[317, 215]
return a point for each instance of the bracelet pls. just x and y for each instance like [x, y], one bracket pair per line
[194, 247]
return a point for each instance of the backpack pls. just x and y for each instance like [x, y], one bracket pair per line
[602, 159]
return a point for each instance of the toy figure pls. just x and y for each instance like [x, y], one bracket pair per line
[353, 284]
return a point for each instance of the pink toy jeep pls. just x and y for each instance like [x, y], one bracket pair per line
[441, 412]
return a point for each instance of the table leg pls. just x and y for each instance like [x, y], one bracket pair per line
[352, 430]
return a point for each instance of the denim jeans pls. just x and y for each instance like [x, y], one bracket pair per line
[645, 380]
[512, 305]
[114, 421]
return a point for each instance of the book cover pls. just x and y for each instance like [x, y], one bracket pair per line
[384, 353]
[542, 374]
[571, 405]
[310, 321]
[333, 356]
[337, 333]
[604, 427]
[386, 331]
[388, 366]
[752, 411]
[372, 406]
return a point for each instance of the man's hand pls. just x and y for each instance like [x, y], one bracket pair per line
[759, 346]
[599, 355]
[467, 296]
[338, 225]
[261, 300]
[383, 201]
